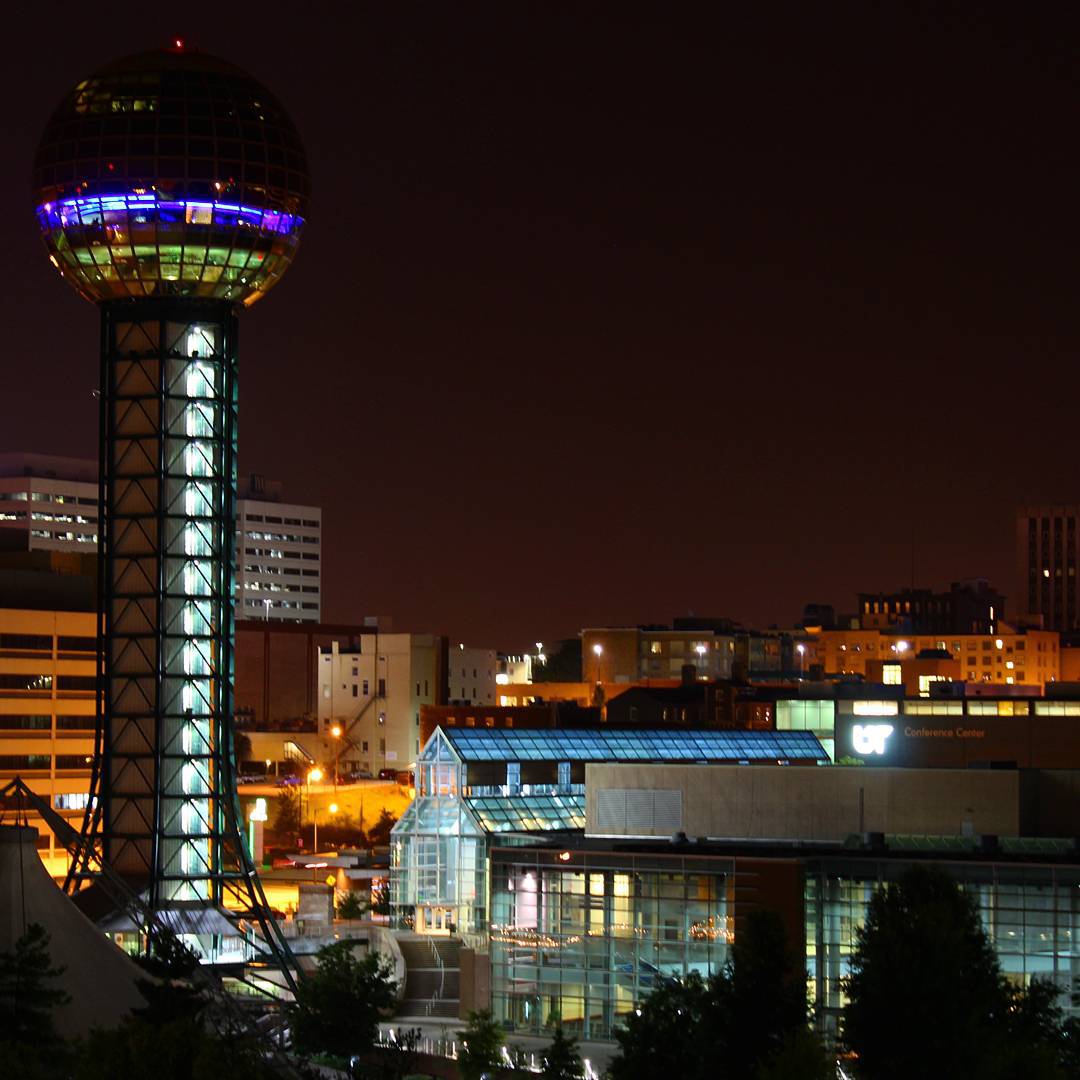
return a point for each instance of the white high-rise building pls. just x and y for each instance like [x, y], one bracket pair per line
[279, 556]
[49, 502]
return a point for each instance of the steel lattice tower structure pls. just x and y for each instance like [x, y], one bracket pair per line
[171, 190]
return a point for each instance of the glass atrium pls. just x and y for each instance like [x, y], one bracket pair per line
[513, 783]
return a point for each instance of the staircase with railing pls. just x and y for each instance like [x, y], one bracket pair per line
[433, 975]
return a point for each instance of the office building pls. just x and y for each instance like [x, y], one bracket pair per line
[370, 696]
[1009, 656]
[1046, 561]
[627, 654]
[48, 713]
[969, 607]
[471, 675]
[48, 503]
[278, 557]
[51, 503]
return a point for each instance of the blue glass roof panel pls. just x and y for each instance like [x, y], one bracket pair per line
[509, 744]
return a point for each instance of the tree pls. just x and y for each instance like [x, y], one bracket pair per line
[29, 1046]
[337, 1008]
[801, 1056]
[480, 1042]
[664, 1036]
[735, 1023]
[169, 994]
[398, 1058]
[181, 1049]
[1035, 1043]
[287, 813]
[925, 987]
[760, 996]
[561, 1059]
[351, 906]
[379, 833]
[563, 663]
[380, 897]
[28, 990]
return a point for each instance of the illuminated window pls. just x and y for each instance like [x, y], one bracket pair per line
[890, 674]
[926, 680]
[875, 708]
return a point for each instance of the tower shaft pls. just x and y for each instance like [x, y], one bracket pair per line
[168, 489]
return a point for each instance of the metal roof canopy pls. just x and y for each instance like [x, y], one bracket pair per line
[592, 744]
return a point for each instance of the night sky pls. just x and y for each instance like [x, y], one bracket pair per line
[602, 318]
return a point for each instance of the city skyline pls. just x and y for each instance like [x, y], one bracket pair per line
[718, 317]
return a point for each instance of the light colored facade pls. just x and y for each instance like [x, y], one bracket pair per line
[278, 561]
[631, 654]
[53, 503]
[471, 676]
[1007, 657]
[373, 693]
[47, 712]
[49, 503]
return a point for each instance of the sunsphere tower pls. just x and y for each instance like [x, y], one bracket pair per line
[171, 190]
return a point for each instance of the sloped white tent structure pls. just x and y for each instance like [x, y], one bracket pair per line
[98, 977]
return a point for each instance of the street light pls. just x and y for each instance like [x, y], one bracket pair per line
[268, 604]
[700, 649]
[313, 776]
[801, 650]
[331, 810]
[598, 651]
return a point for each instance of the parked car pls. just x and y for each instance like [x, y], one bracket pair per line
[289, 781]
[387, 774]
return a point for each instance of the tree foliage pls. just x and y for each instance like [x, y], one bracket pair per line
[180, 1049]
[380, 897]
[351, 906]
[170, 994]
[926, 987]
[398, 1058]
[337, 1008]
[29, 1045]
[561, 1059]
[28, 990]
[481, 1042]
[735, 1024]
[379, 833]
[286, 821]
[563, 663]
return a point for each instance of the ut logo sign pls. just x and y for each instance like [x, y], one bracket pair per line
[870, 738]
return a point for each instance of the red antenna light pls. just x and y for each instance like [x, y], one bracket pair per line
[179, 43]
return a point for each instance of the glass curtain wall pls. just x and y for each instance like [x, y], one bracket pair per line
[1031, 913]
[583, 941]
[438, 851]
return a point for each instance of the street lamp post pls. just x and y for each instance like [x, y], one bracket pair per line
[598, 651]
[801, 650]
[267, 605]
[331, 810]
[335, 733]
[699, 648]
[314, 775]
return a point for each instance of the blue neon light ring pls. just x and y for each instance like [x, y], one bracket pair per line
[149, 209]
